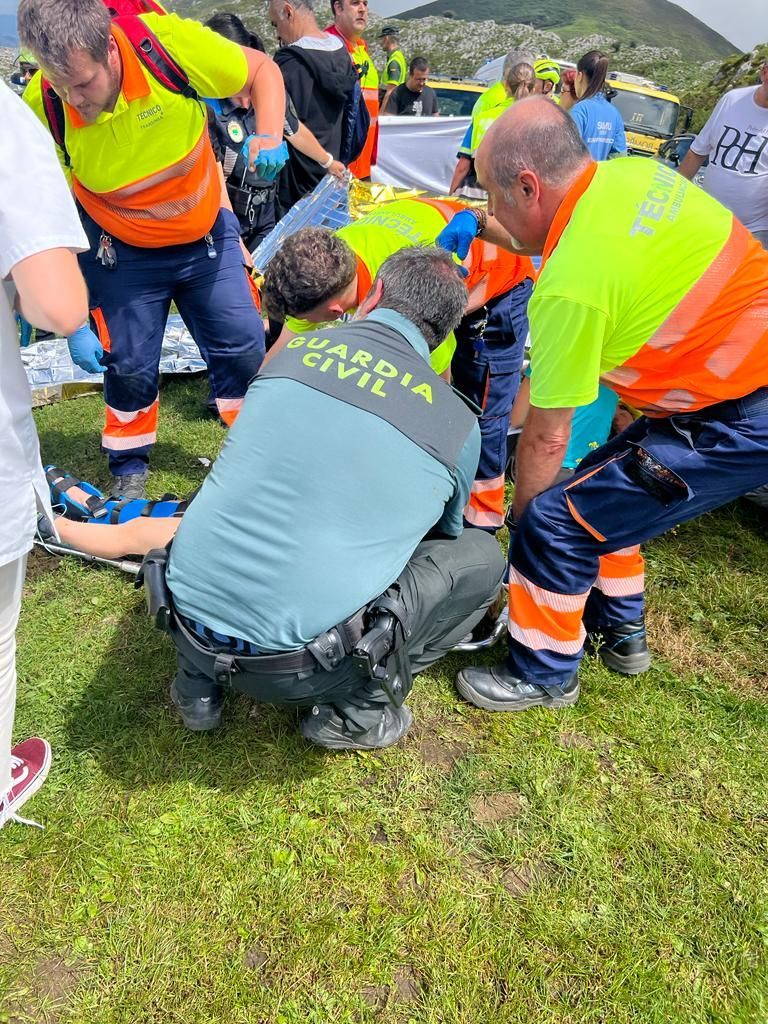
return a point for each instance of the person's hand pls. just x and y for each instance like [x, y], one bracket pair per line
[338, 170]
[25, 330]
[459, 233]
[265, 155]
[85, 350]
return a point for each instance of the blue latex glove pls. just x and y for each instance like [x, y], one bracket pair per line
[25, 328]
[459, 233]
[268, 161]
[85, 349]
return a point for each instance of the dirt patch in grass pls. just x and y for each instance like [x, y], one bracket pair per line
[435, 750]
[407, 986]
[39, 564]
[491, 808]
[574, 741]
[375, 996]
[519, 879]
[255, 959]
[379, 837]
[47, 987]
[670, 638]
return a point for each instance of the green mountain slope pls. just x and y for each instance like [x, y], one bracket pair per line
[653, 22]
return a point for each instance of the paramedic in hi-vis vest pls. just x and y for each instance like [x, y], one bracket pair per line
[676, 322]
[350, 18]
[136, 149]
[486, 353]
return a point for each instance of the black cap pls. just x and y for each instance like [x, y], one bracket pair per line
[389, 30]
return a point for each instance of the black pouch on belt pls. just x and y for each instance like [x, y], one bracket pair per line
[151, 576]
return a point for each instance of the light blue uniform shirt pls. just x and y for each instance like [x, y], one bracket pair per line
[601, 127]
[312, 509]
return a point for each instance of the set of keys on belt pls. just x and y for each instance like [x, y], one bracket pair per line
[107, 256]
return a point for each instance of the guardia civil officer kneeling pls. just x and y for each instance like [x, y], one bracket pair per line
[323, 561]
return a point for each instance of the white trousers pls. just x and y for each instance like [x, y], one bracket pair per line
[11, 583]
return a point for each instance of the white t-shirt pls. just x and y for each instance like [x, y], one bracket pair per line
[37, 213]
[735, 138]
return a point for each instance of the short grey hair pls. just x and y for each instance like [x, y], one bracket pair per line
[550, 146]
[425, 286]
[54, 29]
[513, 58]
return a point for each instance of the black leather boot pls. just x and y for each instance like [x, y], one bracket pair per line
[496, 688]
[622, 648]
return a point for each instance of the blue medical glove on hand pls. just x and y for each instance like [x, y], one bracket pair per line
[269, 160]
[459, 233]
[85, 349]
[25, 329]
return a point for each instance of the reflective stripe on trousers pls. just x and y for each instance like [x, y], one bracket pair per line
[574, 559]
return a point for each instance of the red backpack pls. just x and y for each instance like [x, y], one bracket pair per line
[149, 50]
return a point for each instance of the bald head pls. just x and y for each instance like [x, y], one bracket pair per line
[533, 135]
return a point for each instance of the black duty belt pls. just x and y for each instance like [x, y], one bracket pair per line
[326, 651]
[374, 637]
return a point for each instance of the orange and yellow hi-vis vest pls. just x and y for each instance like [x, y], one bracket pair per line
[652, 285]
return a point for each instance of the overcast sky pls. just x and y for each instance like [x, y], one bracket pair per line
[744, 22]
[738, 20]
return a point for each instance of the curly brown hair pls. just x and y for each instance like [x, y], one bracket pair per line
[309, 268]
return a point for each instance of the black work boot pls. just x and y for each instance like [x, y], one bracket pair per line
[623, 648]
[129, 485]
[497, 688]
[325, 727]
[200, 714]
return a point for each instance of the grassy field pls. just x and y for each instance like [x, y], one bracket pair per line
[600, 865]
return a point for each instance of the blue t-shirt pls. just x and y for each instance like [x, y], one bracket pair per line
[312, 509]
[590, 426]
[601, 127]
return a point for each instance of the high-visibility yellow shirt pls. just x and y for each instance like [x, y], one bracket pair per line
[409, 222]
[489, 105]
[396, 69]
[652, 286]
[151, 128]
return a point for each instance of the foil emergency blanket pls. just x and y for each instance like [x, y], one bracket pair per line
[333, 204]
[48, 364]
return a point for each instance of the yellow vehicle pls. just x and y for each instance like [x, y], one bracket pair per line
[651, 115]
[456, 96]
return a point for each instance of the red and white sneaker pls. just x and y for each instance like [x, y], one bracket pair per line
[30, 762]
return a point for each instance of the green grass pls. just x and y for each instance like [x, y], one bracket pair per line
[606, 863]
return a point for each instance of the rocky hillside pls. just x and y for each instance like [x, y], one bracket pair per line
[455, 48]
[651, 22]
[737, 72]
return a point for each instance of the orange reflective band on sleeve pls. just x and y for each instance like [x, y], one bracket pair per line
[228, 408]
[125, 430]
[542, 620]
[621, 574]
[486, 503]
[101, 329]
